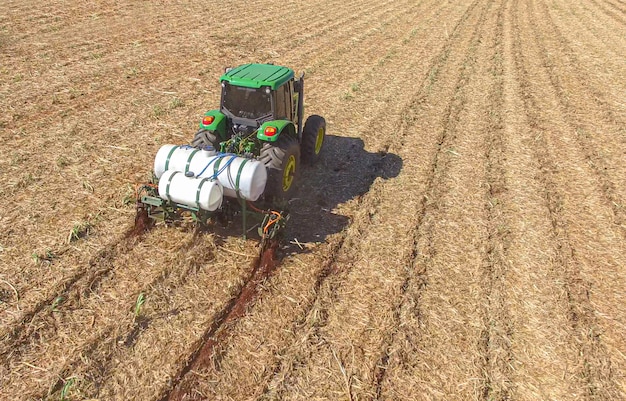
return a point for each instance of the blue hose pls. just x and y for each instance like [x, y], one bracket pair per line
[222, 169]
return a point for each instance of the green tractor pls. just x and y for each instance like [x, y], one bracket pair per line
[261, 115]
[247, 150]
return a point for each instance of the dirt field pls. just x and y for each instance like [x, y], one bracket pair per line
[463, 237]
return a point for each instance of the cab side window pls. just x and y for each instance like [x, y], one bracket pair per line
[282, 102]
[292, 101]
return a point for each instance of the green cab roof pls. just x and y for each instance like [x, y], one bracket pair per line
[258, 75]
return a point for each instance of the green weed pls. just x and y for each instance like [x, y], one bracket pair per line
[131, 72]
[158, 111]
[47, 256]
[176, 103]
[87, 186]
[58, 301]
[129, 196]
[66, 388]
[80, 230]
[62, 161]
[141, 299]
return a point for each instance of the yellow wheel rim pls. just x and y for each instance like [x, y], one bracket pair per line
[289, 172]
[319, 140]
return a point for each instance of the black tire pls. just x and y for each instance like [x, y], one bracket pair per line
[204, 138]
[282, 160]
[313, 136]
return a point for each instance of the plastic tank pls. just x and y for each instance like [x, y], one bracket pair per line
[234, 173]
[202, 193]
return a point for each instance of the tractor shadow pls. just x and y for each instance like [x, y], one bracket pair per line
[345, 171]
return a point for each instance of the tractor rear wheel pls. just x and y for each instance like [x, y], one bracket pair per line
[282, 160]
[313, 136]
[204, 138]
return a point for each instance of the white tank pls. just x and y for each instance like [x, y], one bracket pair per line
[234, 173]
[202, 193]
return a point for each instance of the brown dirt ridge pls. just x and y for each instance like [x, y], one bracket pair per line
[463, 236]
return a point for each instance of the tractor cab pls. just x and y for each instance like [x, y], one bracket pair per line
[265, 99]
[255, 93]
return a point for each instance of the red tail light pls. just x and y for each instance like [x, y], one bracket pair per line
[207, 120]
[270, 131]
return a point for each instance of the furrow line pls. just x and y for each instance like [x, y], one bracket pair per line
[616, 7]
[389, 17]
[340, 45]
[587, 144]
[610, 116]
[498, 371]
[327, 267]
[128, 333]
[75, 312]
[344, 17]
[326, 270]
[581, 313]
[610, 13]
[396, 144]
[98, 266]
[417, 278]
[598, 49]
[186, 379]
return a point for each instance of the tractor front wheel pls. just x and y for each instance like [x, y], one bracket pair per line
[313, 136]
[204, 138]
[282, 160]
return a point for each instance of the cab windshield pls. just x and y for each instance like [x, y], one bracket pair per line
[249, 103]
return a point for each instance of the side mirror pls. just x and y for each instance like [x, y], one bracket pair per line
[228, 69]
